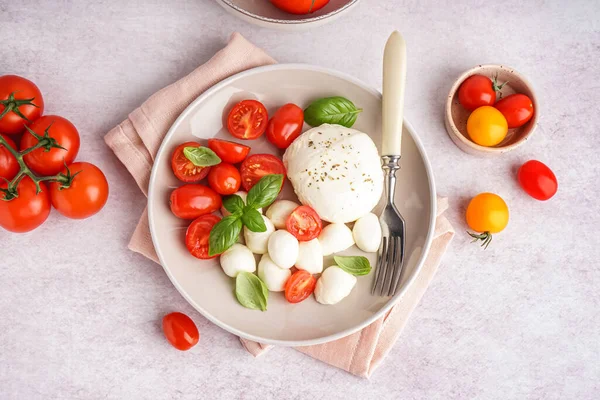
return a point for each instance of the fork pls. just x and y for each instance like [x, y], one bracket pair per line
[391, 251]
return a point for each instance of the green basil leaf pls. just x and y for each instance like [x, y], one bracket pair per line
[201, 156]
[224, 234]
[332, 110]
[265, 191]
[254, 220]
[250, 291]
[233, 203]
[355, 265]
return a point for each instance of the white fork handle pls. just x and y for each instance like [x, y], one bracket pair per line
[394, 78]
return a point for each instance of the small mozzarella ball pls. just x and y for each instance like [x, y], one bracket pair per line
[283, 249]
[367, 233]
[236, 259]
[280, 211]
[243, 195]
[335, 238]
[257, 241]
[273, 276]
[333, 285]
[310, 256]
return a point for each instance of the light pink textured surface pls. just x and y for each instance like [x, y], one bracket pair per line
[81, 319]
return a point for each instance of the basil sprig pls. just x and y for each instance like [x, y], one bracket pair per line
[251, 291]
[355, 265]
[332, 110]
[201, 156]
[226, 232]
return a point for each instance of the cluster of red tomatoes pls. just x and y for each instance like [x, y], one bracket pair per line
[490, 120]
[41, 171]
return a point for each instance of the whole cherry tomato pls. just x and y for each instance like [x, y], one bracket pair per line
[197, 234]
[487, 213]
[192, 200]
[258, 165]
[227, 151]
[247, 120]
[537, 180]
[516, 108]
[224, 178]
[21, 102]
[51, 162]
[487, 126]
[477, 91]
[299, 286]
[27, 211]
[180, 331]
[304, 223]
[85, 196]
[9, 166]
[300, 7]
[285, 126]
[183, 168]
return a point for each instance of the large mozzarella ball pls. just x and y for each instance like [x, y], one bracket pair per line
[257, 241]
[310, 256]
[273, 276]
[335, 238]
[236, 259]
[333, 285]
[243, 195]
[367, 233]
[279, 211]
[283, 249]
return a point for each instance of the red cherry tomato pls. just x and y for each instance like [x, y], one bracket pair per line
[258, 165]
[516, 108]
[285, 126]
[196, 236]
[227, 151]
[477, 91]
[51, 162]
[192, 200]
[180, 331]
[537, 180]
[247, 120]
[26, 212]
[299, 286]
[300, 7]
[21, 90]
[183, 168]
[9, 166]
[224, 178]
[304, 223]
[86, 195]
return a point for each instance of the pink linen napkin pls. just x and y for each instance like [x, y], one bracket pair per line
[135, 142]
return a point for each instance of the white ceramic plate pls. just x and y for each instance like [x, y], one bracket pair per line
[204, 284]
[265, 14]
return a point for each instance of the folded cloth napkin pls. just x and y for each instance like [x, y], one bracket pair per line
[136, 140]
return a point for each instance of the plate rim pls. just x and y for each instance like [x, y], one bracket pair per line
[308, 342]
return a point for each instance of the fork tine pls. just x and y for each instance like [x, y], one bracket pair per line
[381, 268]
[378, 264]
[392, 250]
[398, 264]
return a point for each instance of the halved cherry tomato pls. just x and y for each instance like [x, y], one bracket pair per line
[21, 90]
[300, 6]
[538, 180]
[285, 126]
[224, 178]
[304, 223]
[477, 91]
[258, 165]
[26, 212]
[51, 162]
[516, 108]
[227, 151]
[183, 168]
[9, 166]
[247, 120]
[180, 331]
[196, 236]
[299, 286]
[192, 200]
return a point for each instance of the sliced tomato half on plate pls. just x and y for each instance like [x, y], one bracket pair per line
[229, 152]
[304, 223]
[183, 168]
[258, 165]
[247, 120]
[299, 286]
[197, 234]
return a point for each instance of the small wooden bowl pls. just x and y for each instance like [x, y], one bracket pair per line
[456, 115]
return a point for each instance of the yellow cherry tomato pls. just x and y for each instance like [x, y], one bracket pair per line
[487, 213]
[487, 126]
